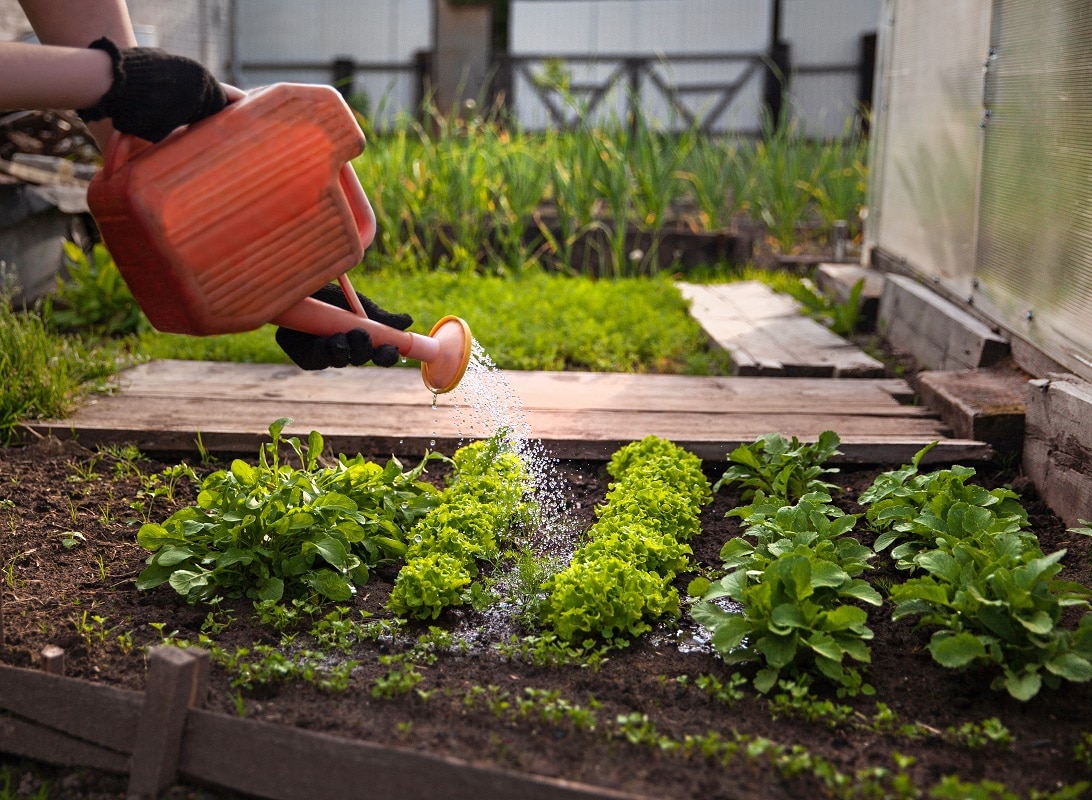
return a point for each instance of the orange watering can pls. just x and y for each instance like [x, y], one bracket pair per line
[234, 221]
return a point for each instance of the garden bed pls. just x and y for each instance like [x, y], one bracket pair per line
[71, 558]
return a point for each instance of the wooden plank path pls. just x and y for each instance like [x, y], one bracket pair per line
[162, 406]
[766, 335]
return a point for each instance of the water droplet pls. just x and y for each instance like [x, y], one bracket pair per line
[435, 397]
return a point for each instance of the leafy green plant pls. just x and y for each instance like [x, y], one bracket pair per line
[841, 317]
[938, 508]
[1082, 751]
[606, 599]
[977, 735]
[94, 296]
[795, 618]
[985, 588]
[796, 700]
[995, 604]
[812, 523]
[781, 468]
[271, 530]
[484, 499]
[619, 580]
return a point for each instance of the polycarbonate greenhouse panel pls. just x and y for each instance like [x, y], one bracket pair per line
[927, 137]
[1034, 263]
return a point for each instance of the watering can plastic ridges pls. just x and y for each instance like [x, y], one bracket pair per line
[234, 221]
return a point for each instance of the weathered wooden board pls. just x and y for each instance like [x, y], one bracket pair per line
[1058, 444]
[282, 763]
[983, 404]
[164, 406]
[937, 333]
[765, 334]
[100, 714]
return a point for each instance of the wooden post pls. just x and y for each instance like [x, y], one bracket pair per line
[343, 76]
[52, 659]
[177, 681]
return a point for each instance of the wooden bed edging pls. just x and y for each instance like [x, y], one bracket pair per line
[161, 736]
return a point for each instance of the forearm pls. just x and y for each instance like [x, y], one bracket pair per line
[43, 77]
[74, 24]
[77, 23]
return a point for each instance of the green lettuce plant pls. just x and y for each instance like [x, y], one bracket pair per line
[484, 499]
[796, 618]
[606, 599]
[993, 603]
[619, 581]
[981, 582]
[781, 468]
[271, 530]
[938, 509]
[793, 574]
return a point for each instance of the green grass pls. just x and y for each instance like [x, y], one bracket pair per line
[534, 322]
[44, 373]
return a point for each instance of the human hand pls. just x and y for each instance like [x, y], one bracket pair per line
[352, 347]
[154, 92]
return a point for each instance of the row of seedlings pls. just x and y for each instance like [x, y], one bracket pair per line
[484, 499]
[619, 581]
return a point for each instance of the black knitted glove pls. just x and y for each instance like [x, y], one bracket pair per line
[341, 349]
[154, 92]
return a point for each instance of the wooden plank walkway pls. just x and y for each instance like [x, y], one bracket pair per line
[766, 335]
[162, 406]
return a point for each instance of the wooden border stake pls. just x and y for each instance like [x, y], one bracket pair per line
[52, 659]
[177, 680]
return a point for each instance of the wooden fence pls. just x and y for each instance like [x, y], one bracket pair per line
[162, 736]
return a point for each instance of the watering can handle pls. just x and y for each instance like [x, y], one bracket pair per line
[358, 203]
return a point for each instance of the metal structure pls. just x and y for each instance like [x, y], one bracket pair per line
[371, 45]
[981, 163]
[712, 64]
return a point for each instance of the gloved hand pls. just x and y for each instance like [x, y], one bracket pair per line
[154, 92]
[355, 347]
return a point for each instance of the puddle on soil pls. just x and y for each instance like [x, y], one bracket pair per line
[690, 637]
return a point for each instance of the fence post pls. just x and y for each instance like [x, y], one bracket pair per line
[633, 90]
[343, 74]
[866, 78]
[778, 65]
[52, 659]
[177, 680]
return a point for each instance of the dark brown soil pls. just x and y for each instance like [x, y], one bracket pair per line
[46, 493]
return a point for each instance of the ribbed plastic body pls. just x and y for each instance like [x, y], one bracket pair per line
[227, 223]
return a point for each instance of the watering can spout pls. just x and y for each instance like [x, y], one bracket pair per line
[444, 353]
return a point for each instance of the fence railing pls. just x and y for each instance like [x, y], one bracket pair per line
[632, 77]
[162, 735]
[632, 83]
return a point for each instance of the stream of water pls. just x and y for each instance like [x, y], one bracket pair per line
[484, 404]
